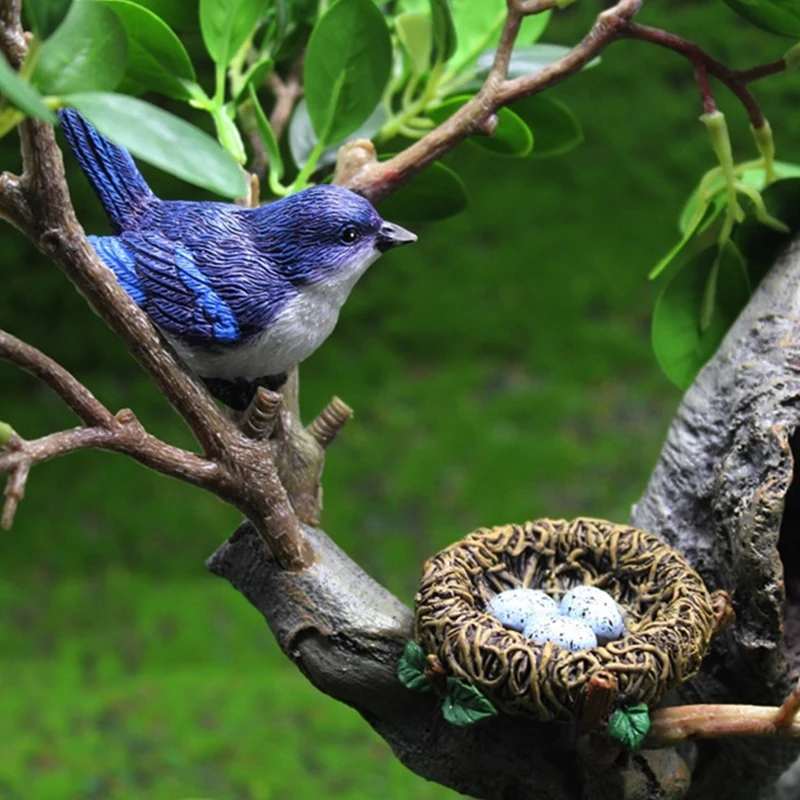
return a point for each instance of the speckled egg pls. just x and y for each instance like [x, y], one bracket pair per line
[597, 609]
[517, 607]
[571, 634]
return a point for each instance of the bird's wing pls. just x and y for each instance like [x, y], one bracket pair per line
[177, 295]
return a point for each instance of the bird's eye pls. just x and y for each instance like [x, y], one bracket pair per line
[349, 234]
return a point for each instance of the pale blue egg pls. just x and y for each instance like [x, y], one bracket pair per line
[571, 634]
[597, 609]
[517, 607]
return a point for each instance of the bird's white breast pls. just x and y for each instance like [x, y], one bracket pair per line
[299, 329]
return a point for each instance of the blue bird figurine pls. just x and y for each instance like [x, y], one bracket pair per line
[242, 294]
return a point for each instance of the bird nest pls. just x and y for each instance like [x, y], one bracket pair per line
[669, 614]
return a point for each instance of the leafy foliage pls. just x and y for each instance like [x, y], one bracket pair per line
[512, 137]
[436, 193]
[466, 705]
[162, 139]
[87, 52]
[157, 59]
[714, 276]
[776, 16]
[629, 725]
[411, 668]
[46, 15]
[21, 94]
[707, 286]
[347, 67]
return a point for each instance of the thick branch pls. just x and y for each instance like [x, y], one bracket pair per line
[346, 633]
[717, 494]
[670, 726]
[125, 436]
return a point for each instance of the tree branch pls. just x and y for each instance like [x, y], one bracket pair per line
[377, 180]
[38, 204]
[704, 64]
[85, 405]
[359, 170]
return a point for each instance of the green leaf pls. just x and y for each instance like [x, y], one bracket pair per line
[478, 24]
[436, 193]
[512, 137]
[752, 177]
[350, 46]
[776, 16]
[225, 24]
[533, 27]
[254, 77]
[699, 224]
[466, 705]
[267, 136]
[178, 14]
[415, 33]
[303, 140]
[227, 133]
[411, 668]
[680, 346]
[164, 140]
[629, 725]
[87, 53]
[445, 40]
[528, 59]
[555, 128]
[21, 94]
[156, 58]
[46, 15]
[761, 245]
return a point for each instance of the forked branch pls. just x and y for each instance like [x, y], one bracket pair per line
[377, 180]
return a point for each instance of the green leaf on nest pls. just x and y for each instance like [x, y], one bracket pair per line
[629, 725]
[466, 705]
[411, 668]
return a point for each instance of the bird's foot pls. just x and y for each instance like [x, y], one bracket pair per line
[238, 394]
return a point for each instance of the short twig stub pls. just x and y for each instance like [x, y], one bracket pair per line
[667, 608]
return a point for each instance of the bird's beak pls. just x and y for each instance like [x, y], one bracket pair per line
[391, 235]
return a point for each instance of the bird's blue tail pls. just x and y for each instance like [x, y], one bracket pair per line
[110, 169]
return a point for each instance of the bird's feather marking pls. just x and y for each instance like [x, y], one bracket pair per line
[114, 255]
[178, 296]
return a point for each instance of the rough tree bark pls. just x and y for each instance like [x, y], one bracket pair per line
[717, 493]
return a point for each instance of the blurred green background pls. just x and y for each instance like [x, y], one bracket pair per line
[500, 370]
